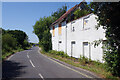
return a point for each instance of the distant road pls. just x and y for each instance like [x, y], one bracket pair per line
[32, 64]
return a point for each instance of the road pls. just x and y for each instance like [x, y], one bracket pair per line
[32, 64]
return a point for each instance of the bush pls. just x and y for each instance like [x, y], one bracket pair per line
[84, 60]
[25, 44]
[112, 59]
[8, 43]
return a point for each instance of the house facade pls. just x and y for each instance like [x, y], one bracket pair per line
[77, 36]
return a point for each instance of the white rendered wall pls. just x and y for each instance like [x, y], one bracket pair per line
[80, 35]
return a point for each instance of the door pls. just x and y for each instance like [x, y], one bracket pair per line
[72, 48]
[85, 49]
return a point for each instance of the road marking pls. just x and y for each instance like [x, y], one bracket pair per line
[31, 63]
[28, 56]
[69, 68]
[10, 57]
[41, 76]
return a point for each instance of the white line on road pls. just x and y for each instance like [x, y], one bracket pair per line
[10, 57]
[31, 63]
[28, 56]
[41, 76]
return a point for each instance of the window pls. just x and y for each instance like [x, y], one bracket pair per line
[85, 21]
[72, 26]
[59, 29]
[60, 41]
[85, 43]
[73, 42]
[53, 30]
[86, 25]
[86, 50]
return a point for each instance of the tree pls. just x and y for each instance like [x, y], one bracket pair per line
[79, 13]
[8, 43]
[108, 16]
[57, 14]
[19, 35]
[42, 30]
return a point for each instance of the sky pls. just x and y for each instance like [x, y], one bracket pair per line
[23, 15]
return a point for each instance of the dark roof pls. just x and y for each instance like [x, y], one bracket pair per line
[67, 13]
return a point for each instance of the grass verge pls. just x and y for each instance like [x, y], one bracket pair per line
[84, 63]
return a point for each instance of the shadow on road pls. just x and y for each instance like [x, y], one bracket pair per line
[11, 69]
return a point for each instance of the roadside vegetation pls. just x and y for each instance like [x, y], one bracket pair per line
[13, 41]
[108, 17]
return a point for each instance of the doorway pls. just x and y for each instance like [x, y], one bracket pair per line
[72, 48]
[86, 49]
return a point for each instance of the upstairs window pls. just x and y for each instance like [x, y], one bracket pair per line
[59, 29]
[72, 26]
[86, 23]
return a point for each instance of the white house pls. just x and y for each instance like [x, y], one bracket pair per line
[76, 37]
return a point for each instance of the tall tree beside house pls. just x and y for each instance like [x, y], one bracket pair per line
[79, 13]
[57, 14]
[108, 16]
[42, 30]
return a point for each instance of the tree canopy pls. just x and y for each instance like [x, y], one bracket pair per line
[19, 35]
[42, 28]
[13, 39]
[108, 16]
[57, 14]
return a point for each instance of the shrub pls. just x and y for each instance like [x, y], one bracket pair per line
[8, 42]
[84, 59]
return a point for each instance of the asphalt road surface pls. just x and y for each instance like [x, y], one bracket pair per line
[32, 64]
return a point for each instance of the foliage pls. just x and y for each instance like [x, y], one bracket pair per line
[25, 44]
[108, 16]
[13, 40]
[79, 13]
[59, 12]
[8, 43]
[19, 35]
[41, 29]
